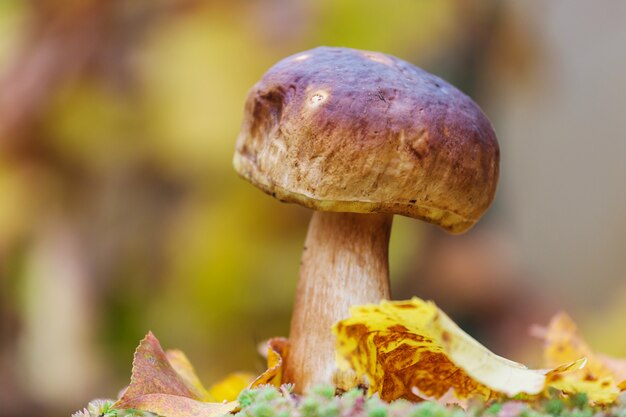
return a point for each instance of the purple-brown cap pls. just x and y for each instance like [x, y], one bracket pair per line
[339, 129]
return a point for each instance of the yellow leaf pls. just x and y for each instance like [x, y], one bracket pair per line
[277, 349]
[598, 390]
[228, 389]
[411, 349]
[602, 379]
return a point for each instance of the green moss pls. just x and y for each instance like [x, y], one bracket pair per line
[322, 402]
[268, 401]
[579, 400]
[309, 407]
[262, 410]
[329, 410]
[246, 398]
[429, 409]
[494, 409]
[268, 394]
[377, 412]
[324, 391]
[554, 407]
[104, 408]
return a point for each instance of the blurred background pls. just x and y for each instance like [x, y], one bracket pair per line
[120, 212]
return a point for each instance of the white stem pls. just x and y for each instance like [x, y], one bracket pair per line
[344, 263]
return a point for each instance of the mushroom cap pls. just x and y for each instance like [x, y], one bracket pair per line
[339, 129]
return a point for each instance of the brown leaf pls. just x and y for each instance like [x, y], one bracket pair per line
[169, 389]
[168, 405]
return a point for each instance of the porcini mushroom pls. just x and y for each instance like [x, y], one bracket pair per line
[359, 136]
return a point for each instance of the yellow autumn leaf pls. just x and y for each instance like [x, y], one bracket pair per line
[603, 377]
[411, 349]
[228, 389]
[277, 349]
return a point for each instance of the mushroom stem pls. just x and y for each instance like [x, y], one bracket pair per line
[344, 263]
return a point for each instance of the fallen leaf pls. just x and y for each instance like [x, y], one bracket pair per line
[411, 349]
[168, 405]
[166, 384]
[603, 377]
[277, 349]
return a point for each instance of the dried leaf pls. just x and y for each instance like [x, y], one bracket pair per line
[602, 378]
[169, 389]
[411, 349]
[168, 405]
[277, 349]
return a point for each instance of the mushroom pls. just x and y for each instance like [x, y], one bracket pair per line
[359, 136]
